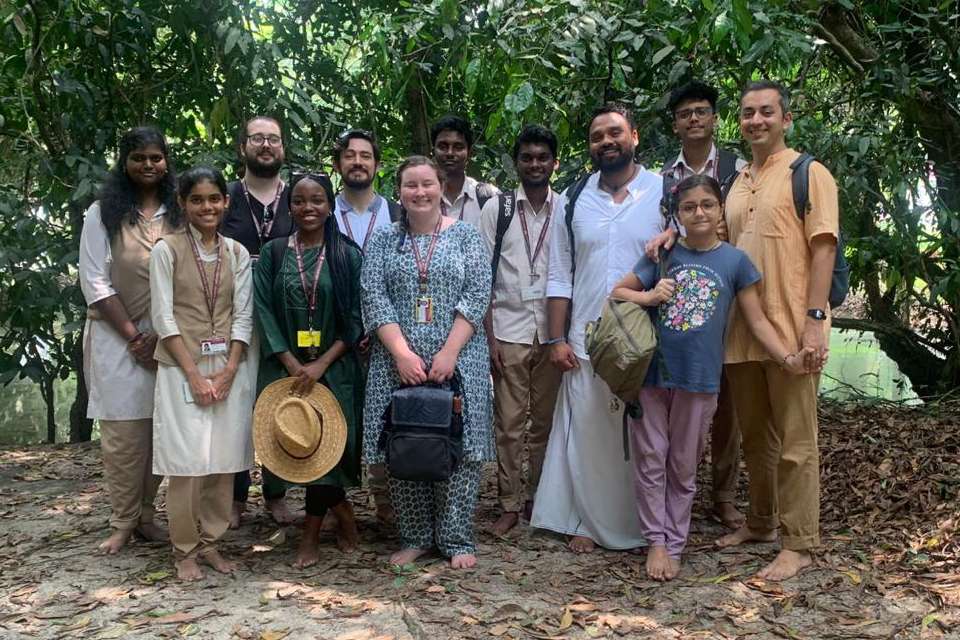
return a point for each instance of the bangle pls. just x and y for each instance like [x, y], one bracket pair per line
[786, 357]
[552, 341]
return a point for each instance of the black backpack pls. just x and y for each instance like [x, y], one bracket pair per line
[507, 207]
[394, 208]
[485, 191]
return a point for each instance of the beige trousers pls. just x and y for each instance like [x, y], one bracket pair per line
[127, 449]
[778, 421]
[527, 386]
[725, 446]
[198, 508]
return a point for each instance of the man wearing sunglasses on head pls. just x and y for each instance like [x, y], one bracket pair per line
[258, 212]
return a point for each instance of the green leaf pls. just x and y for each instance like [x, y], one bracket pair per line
[520, 100]
[660, 55]
[232, 36]
[470, 76]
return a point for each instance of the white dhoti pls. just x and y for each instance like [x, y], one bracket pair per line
[586, 488]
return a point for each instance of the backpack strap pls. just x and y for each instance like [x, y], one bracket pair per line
[506, 207]
[485, 191]
[800, 181]
[726, 166]
[394, 209]
[572, 194]
[277, 249]
[668, 198]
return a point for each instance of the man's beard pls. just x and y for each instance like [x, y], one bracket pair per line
[261, 169]
[609, 165]
[353, 183]
[530, 183]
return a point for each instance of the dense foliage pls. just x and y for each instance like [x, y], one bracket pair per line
[875, 84]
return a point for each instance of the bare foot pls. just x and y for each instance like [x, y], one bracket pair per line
[746, 534]
[463, 561]
[385, 513]
[279, 512]
[581, 544]
[115, 542]
[188, 570]
[217, 561]
[406, 556]
[660, 566]
[309, 551]
[504, 523]
[347, 536]
[235, 512]
[728, 515]
[152, 532]
[786, 565]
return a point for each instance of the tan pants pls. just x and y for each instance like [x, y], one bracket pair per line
[527, 384]
[725, 446]
[198, 508]
[778, 420]
[127, 449]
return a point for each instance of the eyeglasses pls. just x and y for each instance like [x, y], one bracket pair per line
[708, 206]
[684, 114]
[259, 139]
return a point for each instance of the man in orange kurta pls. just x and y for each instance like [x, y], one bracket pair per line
[777, 410]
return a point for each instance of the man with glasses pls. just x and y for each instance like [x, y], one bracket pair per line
[693, 108]
[258, 213]
[360, 211]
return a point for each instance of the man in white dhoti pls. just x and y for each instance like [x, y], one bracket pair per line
[586, 487]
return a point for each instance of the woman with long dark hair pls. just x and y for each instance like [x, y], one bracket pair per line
[136, 205]
[307, 292]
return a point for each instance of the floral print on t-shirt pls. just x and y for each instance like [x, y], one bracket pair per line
[694, 300]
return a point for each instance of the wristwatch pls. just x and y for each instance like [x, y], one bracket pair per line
[554, 341]
[817, 314]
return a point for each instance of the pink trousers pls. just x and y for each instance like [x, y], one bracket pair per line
[666, 446]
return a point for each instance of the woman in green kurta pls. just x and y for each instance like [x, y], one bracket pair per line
[306, 289]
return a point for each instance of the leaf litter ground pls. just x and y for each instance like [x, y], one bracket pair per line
[889, 566]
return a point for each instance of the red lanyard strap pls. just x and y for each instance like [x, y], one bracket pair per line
[423, 266]
[309, 292]
[210, 293]
[263, 230]
[532, 256]
[375, 209]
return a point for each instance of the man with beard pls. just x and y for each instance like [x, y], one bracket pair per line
[463, 196]
[257, 213]
[586, 489]
[359, 211]
[693, 107]
[524, 379]
[359, 208]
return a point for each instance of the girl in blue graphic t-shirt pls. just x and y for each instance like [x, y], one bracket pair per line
[679, 396]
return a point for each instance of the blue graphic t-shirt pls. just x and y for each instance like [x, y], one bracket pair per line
[693, 322]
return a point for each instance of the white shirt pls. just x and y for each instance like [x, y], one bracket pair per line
[609, 238]
[359, 222]
[161, 288]
[515, 319]
[465, 206]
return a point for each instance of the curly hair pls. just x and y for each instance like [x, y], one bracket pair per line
[119, 197]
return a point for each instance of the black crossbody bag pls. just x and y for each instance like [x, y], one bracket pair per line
[422, 436]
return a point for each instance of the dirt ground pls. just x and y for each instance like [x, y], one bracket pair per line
[889, 567]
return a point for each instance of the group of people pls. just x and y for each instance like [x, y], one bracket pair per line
[207, 298]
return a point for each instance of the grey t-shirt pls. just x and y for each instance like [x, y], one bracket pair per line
[693, 322]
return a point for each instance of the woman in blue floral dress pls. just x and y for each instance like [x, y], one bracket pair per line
[425, 287]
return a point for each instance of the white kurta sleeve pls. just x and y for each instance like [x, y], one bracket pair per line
[95, 258]
[242, 328]
[560, 274]
[161, 291]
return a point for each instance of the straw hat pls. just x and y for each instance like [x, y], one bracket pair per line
[300, 439]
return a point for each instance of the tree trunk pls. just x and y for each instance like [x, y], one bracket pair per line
[417, 119]
[47, 392]
[81, 427]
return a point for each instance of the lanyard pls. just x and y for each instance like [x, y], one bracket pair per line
[209, 293]
[263, 230]
[423, 266]
[373, 220]
[310, 293]
[532, 256]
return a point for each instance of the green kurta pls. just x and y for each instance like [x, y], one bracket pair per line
[281, 311]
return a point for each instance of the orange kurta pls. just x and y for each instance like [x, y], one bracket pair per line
[763, 222]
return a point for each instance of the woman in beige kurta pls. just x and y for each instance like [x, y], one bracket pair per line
[201, 292]
[135, 207]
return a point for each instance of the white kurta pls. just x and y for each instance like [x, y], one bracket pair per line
[586, 487]
[120, 389]
[190, 440]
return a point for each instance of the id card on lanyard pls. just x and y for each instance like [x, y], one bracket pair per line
[374, 211]
[269, 212]
[423, 305]
[309, 338]
[214, 344]
[537, 288]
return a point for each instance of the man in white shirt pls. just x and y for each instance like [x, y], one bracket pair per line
[586, 488]
[693, 108]
[359, 209]
[516, 228]
[463, 196]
